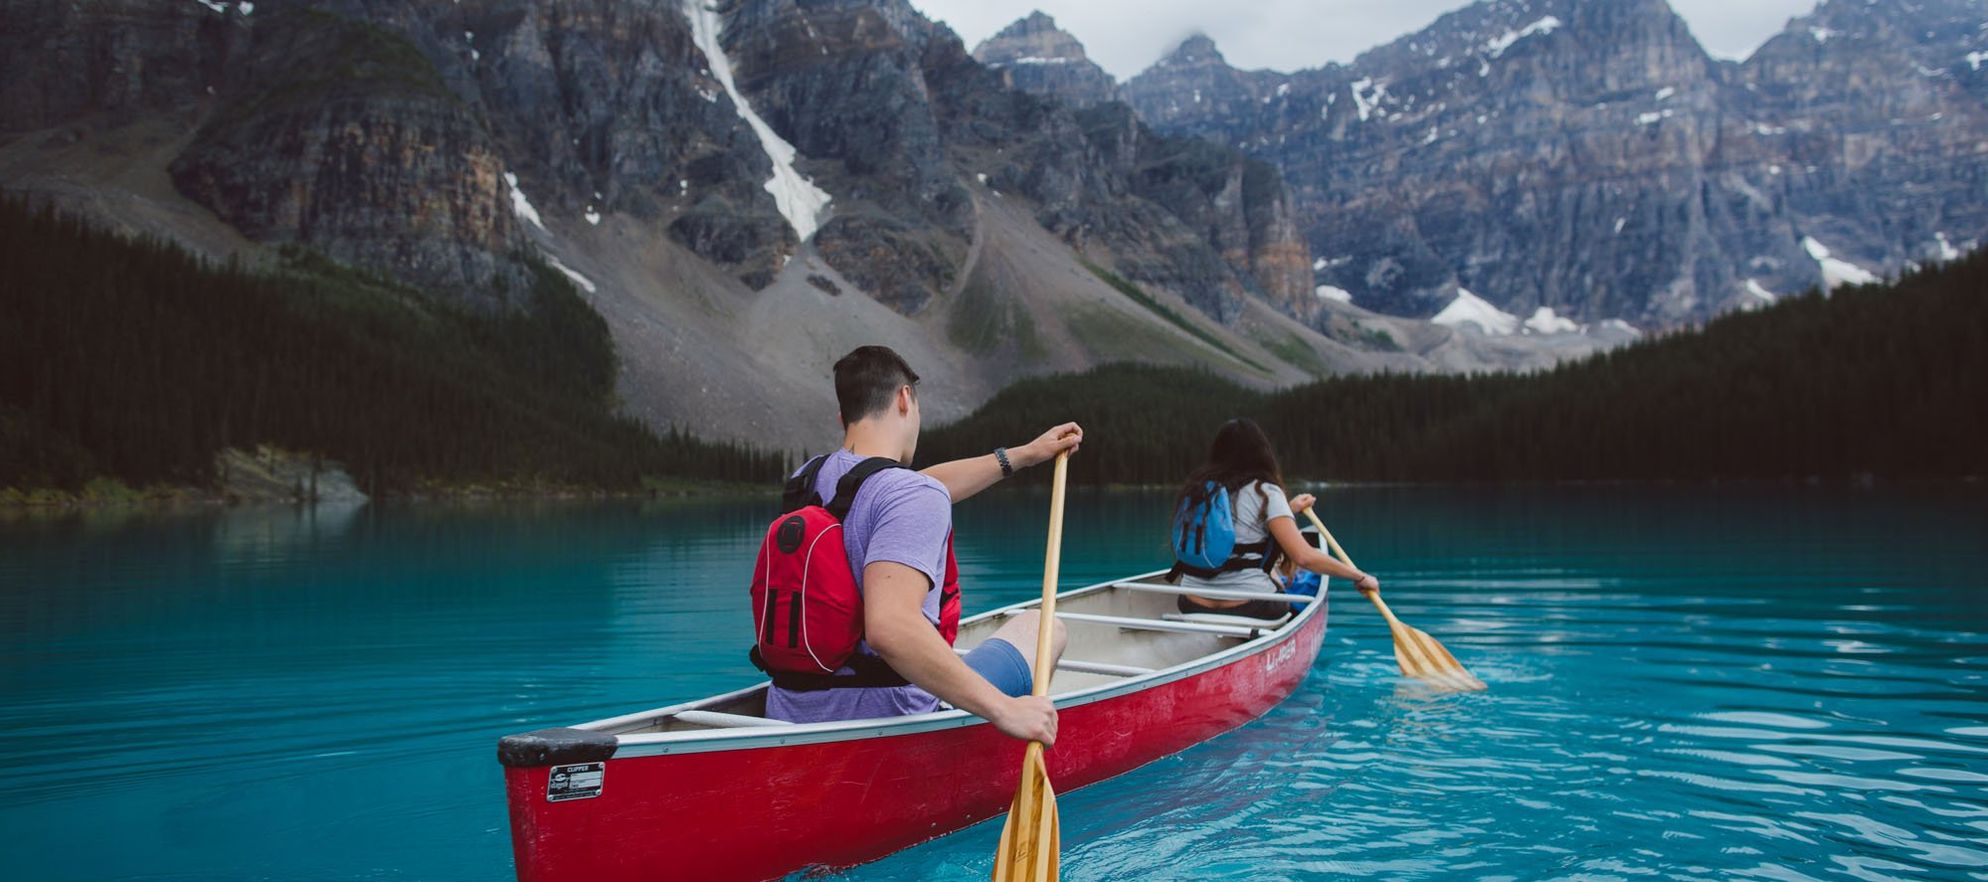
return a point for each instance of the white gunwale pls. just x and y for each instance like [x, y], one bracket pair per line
[632, 743]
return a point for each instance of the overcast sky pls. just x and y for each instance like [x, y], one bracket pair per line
[1125, 36]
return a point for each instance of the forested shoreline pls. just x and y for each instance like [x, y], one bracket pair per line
[1884, 381]
[136, 361]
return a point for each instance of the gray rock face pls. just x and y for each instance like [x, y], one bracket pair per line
[595, 108]
[64, 60]
[1036, 57]
[895, 116]
[389, 135]
[349, 142]
[1591, 158]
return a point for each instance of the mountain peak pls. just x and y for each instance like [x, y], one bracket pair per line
[1036, 56]
[1034, 39]
[1036, 22]
[1194, 51]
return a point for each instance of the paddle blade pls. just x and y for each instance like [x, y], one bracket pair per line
[1420, 656]
[1031, 837]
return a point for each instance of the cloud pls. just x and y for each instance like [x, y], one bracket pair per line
[1125, 36]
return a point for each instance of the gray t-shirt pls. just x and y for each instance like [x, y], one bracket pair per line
[1253, 512]
[899, 516]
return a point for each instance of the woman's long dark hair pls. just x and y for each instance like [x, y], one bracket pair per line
[1241, 454]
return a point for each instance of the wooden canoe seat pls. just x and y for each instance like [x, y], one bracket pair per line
[717, 720]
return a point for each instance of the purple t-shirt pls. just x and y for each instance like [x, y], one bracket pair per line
[899, 516]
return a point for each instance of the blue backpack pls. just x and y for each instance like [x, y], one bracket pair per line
[1204, 533]
[1304, 582]
[1204, 538]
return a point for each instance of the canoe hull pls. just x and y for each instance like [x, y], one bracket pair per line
[763, 812]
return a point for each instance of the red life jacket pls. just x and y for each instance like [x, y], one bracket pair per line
[807, 602]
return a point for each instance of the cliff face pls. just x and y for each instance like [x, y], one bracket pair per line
[741, 188]
[1868, 128]
[62, 61]
[1035, 56]
[901, 123]
[1589, 158]
[346, 140]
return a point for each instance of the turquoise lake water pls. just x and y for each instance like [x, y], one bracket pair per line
[1770, 683]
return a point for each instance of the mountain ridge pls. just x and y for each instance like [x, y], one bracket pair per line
[989, 233]
[1633, 176]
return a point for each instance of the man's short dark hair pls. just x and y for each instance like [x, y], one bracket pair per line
[867, 379]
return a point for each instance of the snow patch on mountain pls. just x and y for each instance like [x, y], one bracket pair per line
[1545, 321]
[1334, 292]
[521, 206]
[1836, 271]
[580, 280]
[799, 200]
[1470, 309]
[1621, 326]
[1498, 46]
[1366, 102]
[1947, 251]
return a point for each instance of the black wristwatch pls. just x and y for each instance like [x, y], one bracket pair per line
[1001, 456]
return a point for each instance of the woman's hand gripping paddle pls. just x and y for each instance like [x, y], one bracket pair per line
[1032, 836]
[1418, 654]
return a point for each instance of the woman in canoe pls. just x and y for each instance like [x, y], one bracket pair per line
[1241, 484]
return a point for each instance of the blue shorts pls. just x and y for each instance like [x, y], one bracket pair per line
[1000, 663]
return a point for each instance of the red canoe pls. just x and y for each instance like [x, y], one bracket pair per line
[713, 791]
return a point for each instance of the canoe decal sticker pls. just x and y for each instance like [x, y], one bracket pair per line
[1272, 659]
[577, 781]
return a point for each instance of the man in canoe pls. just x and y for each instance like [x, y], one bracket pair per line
[897, 531]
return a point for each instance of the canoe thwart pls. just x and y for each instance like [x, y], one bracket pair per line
[1215, 618]
[1162, 625]
[1106, 668]
[718, 720]
[1090, 667]
[1216, 594]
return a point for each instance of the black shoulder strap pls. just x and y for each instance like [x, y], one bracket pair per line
[845, 489]
[800, 492]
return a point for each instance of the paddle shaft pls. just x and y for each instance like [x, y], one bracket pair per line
[1051, 564]
[1031, 838]
[1334, 543]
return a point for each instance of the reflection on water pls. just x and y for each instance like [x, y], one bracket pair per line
[1686, 684]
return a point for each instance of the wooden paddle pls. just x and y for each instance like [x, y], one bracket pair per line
[1418, 654]
[1031, 838]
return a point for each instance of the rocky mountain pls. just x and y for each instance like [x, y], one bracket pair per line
[743, 189]
[1037, 57]
[1570, 160]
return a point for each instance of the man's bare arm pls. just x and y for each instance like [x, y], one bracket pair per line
[895, 625]
[965, 477]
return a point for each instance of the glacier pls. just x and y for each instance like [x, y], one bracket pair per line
[799, 200]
